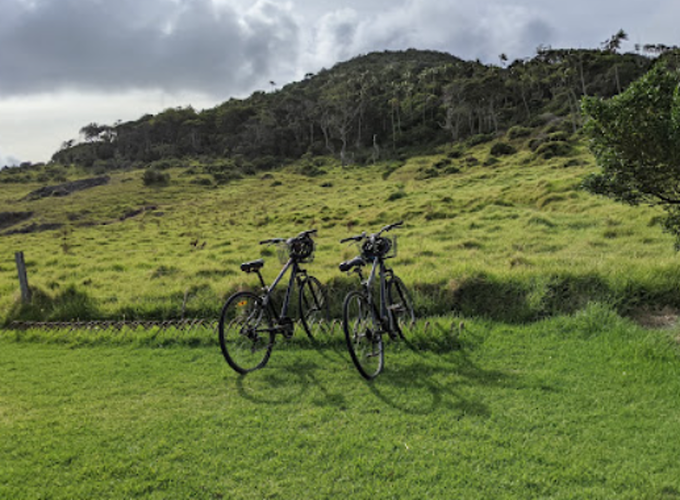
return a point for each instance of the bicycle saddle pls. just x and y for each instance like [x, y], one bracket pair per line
[255, 265]
[349, 264]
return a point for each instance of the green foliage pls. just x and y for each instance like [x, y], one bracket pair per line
[502, 149]
[138, 252]
[519, 131]
[66, 305]
[367, 109]
[552, 149]
[635, 138]
[154, 177]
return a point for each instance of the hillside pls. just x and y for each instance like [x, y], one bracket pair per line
[498, 229]
[484, 163]
[373, 107]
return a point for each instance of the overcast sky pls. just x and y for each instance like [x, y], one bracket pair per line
[67, 63]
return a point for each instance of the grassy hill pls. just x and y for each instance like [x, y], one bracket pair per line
[498, 231]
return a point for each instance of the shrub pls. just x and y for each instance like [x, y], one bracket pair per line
[518, 131]
[396, 195]
[552, 149]
[502, 148]
[153, 177]
[479, 139]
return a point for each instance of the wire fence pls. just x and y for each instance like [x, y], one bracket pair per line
[186, 325]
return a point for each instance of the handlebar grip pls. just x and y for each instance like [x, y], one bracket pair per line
[358, 237]
[306, 233]
[389, 227]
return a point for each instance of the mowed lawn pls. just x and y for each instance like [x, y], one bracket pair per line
[585, 406]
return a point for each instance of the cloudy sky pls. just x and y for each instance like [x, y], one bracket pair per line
[67, 63]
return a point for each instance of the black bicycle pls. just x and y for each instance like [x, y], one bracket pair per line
[378, 307]
[250, 321]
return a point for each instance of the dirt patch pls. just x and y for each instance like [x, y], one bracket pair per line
[666, 317]
[67, 188]
[139, 211]
[33, 228]
[8, 219]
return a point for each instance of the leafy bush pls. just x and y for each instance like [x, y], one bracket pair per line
[552, 149]
[502, 149]
[396, 195]
[153, 177]
[69, 305]
[519, 131]
[475, 140]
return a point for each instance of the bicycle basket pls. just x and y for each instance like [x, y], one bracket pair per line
[282, 252]
[380, 247]
[301, 249]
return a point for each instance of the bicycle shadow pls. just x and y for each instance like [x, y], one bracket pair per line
[427, 375]
[288, 383]
[424, 385]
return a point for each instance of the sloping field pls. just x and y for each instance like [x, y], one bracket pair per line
[511, 238]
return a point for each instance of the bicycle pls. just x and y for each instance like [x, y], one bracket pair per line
[249, 322]
[366, 318]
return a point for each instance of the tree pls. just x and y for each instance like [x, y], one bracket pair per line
[635, 137]
[613, 44]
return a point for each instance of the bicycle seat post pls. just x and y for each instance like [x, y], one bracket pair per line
[262, 283]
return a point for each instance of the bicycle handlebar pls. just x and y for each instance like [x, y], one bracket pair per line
[271, 241]
[389, 227]
[358, 237]
[361, 236]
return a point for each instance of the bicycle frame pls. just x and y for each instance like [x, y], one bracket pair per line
[378, 267]
[296, 272]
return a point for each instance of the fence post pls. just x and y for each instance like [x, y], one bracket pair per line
[23, 279]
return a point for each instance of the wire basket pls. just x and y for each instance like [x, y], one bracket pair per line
[381, 247]
[300, 250]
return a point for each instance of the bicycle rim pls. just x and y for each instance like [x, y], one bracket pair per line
[314, 307]
[245, 334]
[364, 342]
[400, 306]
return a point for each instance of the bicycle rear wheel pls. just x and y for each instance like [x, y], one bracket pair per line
[400, 305]
[245, 333]
[314, 307]
[364, 340]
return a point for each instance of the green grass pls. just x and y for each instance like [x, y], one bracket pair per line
[521, 227]
[582, 406]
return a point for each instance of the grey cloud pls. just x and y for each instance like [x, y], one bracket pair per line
[156, 44]
[464, 28]
[7, 161]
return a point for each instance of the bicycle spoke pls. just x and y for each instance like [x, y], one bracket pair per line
[245, 338]
[364, 343]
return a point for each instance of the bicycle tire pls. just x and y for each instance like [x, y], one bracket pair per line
[314, 307]
[245, 333]
[400, 305]
[364, 342]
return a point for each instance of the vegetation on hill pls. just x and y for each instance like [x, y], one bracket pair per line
[365, 109]
[636, 140]
[497, 223]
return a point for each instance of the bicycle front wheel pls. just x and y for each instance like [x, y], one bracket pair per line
[245, 333]
[364, 340]
[314, 307]
[400, 305]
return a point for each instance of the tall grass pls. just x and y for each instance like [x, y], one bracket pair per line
[517, 240]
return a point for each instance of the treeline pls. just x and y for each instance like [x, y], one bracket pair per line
[366, 108]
